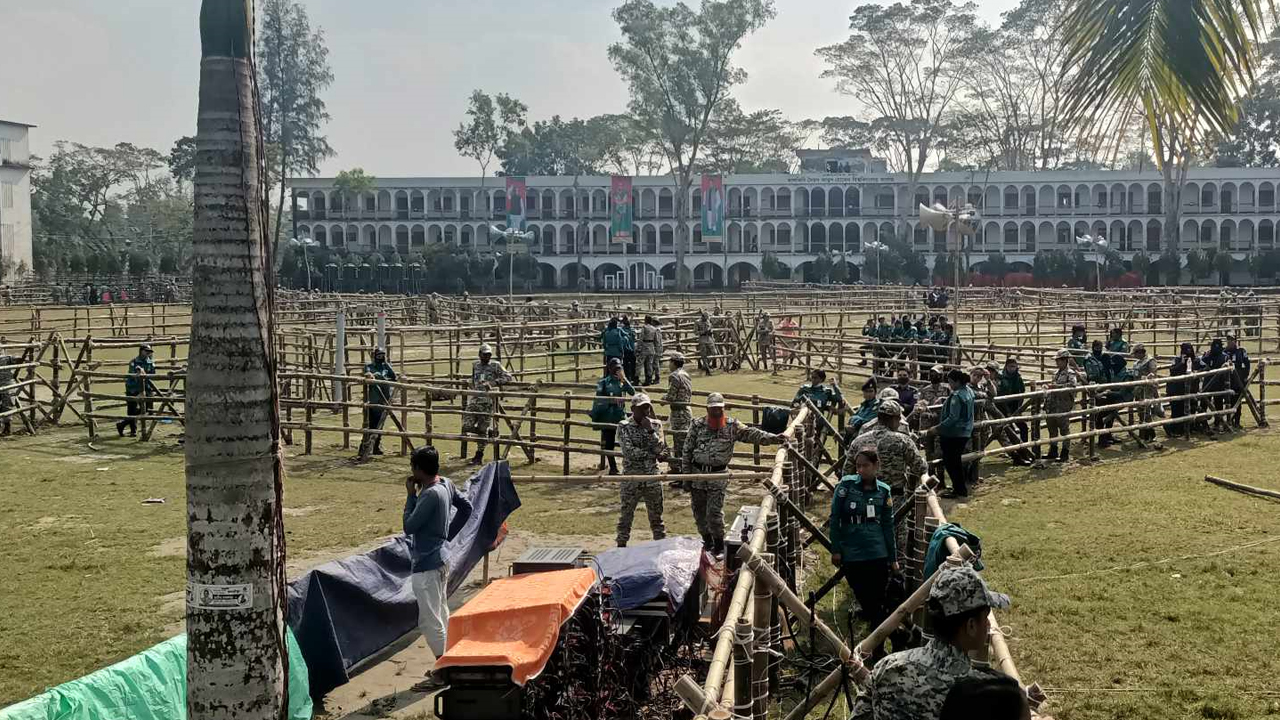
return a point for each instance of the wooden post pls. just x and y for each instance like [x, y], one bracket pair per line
[346, 414]
[88, 404]
[762, 605]
[742, 697]
[533, 424]
[404, 414]
[568, 412]
[308, 388]
[755, 420]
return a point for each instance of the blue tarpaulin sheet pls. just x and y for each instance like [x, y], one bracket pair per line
[348, 610]
[640, 573]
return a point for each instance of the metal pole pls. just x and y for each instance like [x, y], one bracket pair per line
[381, 324]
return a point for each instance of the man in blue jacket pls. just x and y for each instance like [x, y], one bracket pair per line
[426, 522]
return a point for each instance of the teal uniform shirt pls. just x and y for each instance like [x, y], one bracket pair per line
[861, 521]
[1079, 347]
[909, 334]
[956, 418]
[865, 413]
[380, 394]
[1096, 370]
[1117, 362]
[630, 335]
[614, 342]
[823, 396]
[884, 332]
[133, 383]
[607, 411]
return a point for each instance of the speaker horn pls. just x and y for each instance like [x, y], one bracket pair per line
[935, 218]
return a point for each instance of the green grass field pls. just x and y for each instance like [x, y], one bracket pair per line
[1136, 592]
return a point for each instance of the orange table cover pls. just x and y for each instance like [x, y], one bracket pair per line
[516, 622]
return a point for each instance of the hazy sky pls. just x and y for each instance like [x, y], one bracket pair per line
[103, 72]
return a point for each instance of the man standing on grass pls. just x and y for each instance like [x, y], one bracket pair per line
[642, 446]
[486, 374]
[679, 394]
[377, 398]
[708, 450]
[427, 524]
[706, 342]
[135, 384]
[6, 396]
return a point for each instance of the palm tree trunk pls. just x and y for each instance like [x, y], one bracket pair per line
[236, 658]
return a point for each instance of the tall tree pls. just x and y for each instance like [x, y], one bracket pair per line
[352, 184]
[293, 71]
[1186, 62]
[556, 147]
[236, 656]
[905, 64]
[182, 159]
[759, 142]
[491, 121]
[1254, 141]
[678, 65]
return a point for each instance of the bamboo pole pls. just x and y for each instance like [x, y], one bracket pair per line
[1241, 487]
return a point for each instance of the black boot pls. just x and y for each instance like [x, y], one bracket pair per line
[1065, 457]
[1053, 453]
[477, 458]
[707, 544]
[717, 547]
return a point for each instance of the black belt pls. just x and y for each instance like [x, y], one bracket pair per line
[710, 468]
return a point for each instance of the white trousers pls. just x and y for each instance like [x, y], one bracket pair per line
[431, 590]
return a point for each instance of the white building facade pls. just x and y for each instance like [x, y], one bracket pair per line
[795, 217]
[15, 197]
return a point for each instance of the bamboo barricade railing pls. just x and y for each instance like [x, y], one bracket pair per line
[744, 606]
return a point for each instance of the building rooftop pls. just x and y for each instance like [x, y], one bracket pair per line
[19, 124]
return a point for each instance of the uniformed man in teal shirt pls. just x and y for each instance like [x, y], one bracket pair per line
[134, 383]
[863, 544]
[825, 397]
[376, 394]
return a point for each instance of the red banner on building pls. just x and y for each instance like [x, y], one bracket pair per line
[515, 203]
[712, 206]
[621, 209]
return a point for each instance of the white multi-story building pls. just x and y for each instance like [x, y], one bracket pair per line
[15, 197]
[832, 205]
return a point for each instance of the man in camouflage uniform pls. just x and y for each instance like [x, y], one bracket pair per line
[708, 449]
[643, 447]
[575, 313]
[1144, 368]
[7, 377]
[901, 462]
[433, 308]
[477, 420]
[648, 350]
[913, 684]
[1056, 403]
[706, 342]
[925, 413]
[679, 394]
[764, 340]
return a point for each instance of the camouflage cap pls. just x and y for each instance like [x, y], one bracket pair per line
[887, 394]
[485, 349]
[640, 399]
[677, 356]
[890, 408]
[145, 347]
[959, 589]
[715, 400]
[1063, 353]
[1143, 348]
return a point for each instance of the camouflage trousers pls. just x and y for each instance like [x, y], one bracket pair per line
[707, 498]
[706, 352]
[478, 421]
[650, 492]
[1057, 426]
[679, 423]
[650, 366]
[765, 350]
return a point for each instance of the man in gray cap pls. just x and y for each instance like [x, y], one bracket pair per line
[913, 684]
[764, 340]
[642, 446]
[901, 462]
[679, 393]
[1056, 404]
[477, 419]
[135, 384]
[925, 413]
[708, 449]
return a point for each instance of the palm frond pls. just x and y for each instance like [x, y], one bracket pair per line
[1190, 60]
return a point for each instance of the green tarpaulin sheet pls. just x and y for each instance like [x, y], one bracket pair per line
[151, 685]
